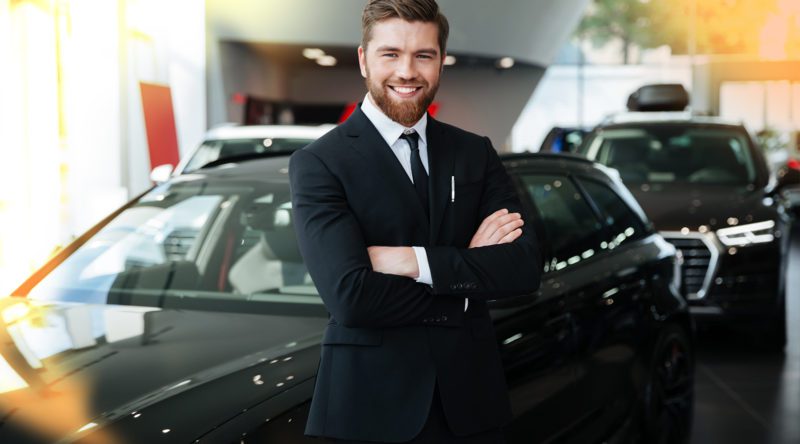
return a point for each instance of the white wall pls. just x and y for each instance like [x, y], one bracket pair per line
[74, 146]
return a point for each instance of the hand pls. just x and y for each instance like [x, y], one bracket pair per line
[500, 227]
[399, 261]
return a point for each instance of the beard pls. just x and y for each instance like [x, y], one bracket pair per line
[404, 112]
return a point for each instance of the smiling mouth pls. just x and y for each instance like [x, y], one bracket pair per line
[405, 90]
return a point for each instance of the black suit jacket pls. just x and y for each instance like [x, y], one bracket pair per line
[389, 338]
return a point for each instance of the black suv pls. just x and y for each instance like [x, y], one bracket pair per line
[708, 189]
[188, 316]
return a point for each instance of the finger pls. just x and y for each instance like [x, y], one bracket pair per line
[490, 219]
[511, 237]
[505, 230]
[502, 221]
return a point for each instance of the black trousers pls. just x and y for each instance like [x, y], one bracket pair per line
[436, 430]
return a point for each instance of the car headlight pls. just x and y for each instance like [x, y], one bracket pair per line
[744, 235]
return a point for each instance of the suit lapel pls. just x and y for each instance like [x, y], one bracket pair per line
[441, 161]
[369, 143]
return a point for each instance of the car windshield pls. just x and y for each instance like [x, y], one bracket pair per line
[676, 153]
[193, 244]
[212, 150]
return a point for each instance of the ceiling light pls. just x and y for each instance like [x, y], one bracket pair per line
[326, 60]
[505, 63]
[313, 53]
[449, 60]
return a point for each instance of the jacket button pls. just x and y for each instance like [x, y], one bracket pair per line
[444, 318]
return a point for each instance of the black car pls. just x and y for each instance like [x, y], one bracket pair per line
[188, 316]
[708, 189]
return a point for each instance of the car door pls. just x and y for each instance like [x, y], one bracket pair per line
[537, 341]
[610, 322]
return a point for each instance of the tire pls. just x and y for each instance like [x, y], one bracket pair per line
[668, 395]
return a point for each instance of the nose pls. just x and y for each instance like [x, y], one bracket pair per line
[407, 69]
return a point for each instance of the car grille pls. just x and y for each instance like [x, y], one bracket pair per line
[697, 265]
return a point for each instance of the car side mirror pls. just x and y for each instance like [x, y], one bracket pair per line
[161, 173]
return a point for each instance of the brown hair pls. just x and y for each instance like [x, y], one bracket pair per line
[408, 10]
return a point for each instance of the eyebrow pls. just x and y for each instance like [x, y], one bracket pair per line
[431, 51]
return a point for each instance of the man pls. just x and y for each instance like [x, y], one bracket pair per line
[408, 226]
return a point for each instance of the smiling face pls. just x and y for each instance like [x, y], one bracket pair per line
[402, 64]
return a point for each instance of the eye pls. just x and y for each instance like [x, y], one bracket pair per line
[389, 54]
[424, 56]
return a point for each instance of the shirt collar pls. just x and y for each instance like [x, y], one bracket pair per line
[388, 128]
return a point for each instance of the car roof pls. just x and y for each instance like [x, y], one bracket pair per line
[268, 131]
[277, 168]
[685, 117]
[562, 163]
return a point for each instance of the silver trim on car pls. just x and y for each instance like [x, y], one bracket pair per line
[714, 247]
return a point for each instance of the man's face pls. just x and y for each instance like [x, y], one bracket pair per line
[402, 64]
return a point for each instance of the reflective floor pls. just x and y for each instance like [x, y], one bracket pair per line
[746, 394]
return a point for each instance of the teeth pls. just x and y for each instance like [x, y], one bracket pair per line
[404, 90]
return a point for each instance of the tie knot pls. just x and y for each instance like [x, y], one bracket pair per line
[412, 138]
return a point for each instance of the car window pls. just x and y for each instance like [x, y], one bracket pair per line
[676, 153]
[623, 223]
[572, 230]
[192, 244]
[212, 150]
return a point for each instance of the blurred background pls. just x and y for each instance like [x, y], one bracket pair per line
[96, 93]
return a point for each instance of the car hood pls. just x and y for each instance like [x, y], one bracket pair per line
[672, 207]
[75, 371]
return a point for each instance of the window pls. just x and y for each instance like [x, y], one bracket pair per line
[676, 153]
[572, 230]
[193, 244]
[624, 225]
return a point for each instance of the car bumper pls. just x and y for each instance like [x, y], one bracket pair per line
[731, 283]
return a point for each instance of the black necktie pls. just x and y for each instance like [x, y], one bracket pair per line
[418, 174]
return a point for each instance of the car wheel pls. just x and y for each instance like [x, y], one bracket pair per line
[668, 399]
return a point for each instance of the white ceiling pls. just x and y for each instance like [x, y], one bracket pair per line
[531, 31]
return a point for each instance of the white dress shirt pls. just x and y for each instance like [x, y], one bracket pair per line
[391, 131]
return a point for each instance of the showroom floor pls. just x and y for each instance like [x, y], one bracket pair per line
[746, 394]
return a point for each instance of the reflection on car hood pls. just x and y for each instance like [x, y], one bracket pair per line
[120, 370]
[672, 207]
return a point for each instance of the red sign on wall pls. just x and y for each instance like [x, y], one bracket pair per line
[159, 121]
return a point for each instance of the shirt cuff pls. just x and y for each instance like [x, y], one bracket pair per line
[424, 269]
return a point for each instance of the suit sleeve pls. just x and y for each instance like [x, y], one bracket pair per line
[334, 250]
[496, 271]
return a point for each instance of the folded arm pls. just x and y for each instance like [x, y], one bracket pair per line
[336, 255]
[502, 258]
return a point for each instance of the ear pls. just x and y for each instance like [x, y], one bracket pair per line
[362, 61]
[441, 62]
